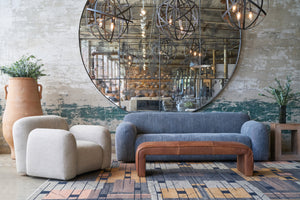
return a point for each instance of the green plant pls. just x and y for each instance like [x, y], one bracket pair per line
[282, 94]
[25, 67]
[188, 104]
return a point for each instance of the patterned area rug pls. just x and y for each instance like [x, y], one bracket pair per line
[210, 180]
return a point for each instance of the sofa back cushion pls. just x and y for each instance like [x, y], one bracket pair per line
[201, 122]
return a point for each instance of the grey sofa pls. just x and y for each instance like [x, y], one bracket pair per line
[140, 127]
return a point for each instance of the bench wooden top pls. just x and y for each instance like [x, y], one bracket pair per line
[193, 147]
[191, 143]
[243, 152]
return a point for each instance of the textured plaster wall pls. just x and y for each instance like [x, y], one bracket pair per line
[270, 50]
[49, 30]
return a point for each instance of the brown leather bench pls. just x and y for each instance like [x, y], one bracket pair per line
[244, 153]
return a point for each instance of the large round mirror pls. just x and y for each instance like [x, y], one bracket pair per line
[158, 55]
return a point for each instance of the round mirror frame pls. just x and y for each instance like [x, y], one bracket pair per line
[139, 73]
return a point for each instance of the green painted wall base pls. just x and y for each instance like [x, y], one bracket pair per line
[257, 110]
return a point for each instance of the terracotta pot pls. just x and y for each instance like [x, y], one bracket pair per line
[22, 99]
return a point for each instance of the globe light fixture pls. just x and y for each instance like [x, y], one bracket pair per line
[177, 19]
[108, 19]
[245, 14]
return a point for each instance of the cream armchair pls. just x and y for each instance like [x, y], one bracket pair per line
[46, 147]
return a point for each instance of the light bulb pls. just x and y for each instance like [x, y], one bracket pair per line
[191, 51]
[100, 22]
[112, 26]
[200, 54]
[143, 12]
[129, 57]
[180, 25]
[250, 15]
[233, 8]
[170, 21]
[195, 53]
[238, 16]
[129, 63]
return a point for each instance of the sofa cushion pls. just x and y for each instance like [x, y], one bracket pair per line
[215, 122]
[89, 156]
[232, 137]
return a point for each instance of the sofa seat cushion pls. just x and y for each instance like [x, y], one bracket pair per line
[89, 156]
[231, 137]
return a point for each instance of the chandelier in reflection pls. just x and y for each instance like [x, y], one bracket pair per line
[195, 48]
[127, 55]
[245, 14]
[108, 19]
[164, 51]
[177, 19]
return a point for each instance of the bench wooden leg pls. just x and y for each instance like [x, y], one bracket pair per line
[245, 163]
[140, 164]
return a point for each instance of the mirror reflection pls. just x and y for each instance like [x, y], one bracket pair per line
[171, 55]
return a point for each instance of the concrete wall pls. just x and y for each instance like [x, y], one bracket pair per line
[49, 30]
[270, 50]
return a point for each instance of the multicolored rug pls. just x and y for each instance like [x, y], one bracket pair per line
[210, 180]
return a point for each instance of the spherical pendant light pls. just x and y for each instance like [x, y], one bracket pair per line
[177, 19]
[245, 14]
[108, 19]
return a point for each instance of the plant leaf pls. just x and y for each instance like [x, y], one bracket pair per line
[25, 67]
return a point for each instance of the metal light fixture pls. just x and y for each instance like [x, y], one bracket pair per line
[177, 18]
[195, 48]
[164, 51]
[245, 14]
[108, 19]
[195, 52]
[127, 55]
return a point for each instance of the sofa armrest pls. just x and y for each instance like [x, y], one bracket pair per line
[51, 153]
[125, 141]
[22, 128]
[259, 136]
[97, 134]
